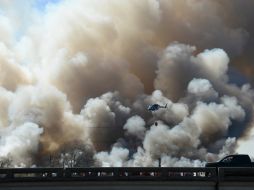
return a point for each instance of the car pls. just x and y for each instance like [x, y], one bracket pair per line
[237, 160]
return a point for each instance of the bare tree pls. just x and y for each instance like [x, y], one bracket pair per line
[5, 162]
[79, 156]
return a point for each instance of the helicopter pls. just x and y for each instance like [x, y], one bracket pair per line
[155, 107]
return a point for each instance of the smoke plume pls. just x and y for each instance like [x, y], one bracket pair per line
[76, 78]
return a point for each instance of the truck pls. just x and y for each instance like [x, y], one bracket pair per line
[237, 160]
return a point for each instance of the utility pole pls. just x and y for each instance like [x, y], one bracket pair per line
[159, 161]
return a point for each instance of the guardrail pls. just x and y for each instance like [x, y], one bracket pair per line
[142, 174]
[108, 174]
[127, 174]
[244, 174]
[31, 174]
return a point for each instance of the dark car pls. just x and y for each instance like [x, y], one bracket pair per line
[238, 160]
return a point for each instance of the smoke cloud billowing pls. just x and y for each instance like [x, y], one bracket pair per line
[76, 78]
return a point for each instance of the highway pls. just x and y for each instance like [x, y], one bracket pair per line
[127, 178]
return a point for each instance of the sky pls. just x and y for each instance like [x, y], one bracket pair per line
[42, 4]
[78, 76]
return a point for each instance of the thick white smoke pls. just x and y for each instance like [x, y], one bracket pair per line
[81, 74]
[20, 144]
[117, 157]
[197, 126]
[135, 126]
[202, 88]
